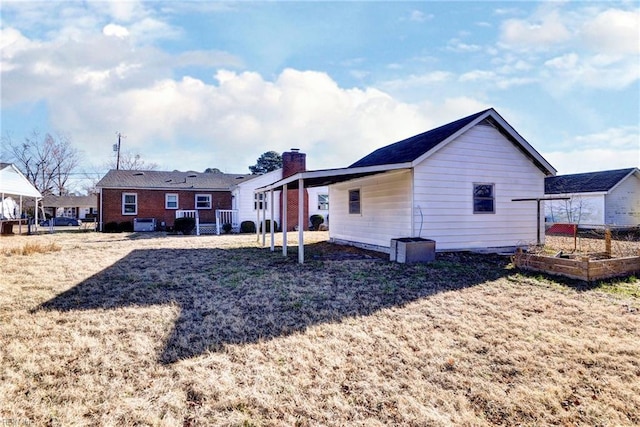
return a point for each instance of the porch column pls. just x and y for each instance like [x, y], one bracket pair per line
[257, 206]
[273, 232]
[284, 219]
[264, 219]
[301, 221]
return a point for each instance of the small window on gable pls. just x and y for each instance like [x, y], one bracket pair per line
[354, 201]
[203, 201]
[170, 201]
[483, 198]
[323, 202]
[129, 203]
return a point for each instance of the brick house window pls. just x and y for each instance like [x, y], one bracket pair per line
[203, 201]
[483, 198]
[354, 201]
[170, 201]
[129, 203]
[323, 202]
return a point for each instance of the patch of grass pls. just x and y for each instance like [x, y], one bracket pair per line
[625, 287]
[31, 248]
[213, 330]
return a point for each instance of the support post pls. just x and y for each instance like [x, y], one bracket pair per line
[255, 201]
[273, 232]
[263, 200]
[285, 191]
[607, 241]
[301, 221]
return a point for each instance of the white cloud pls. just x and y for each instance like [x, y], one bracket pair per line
[115, 30]
[592, 160]
[615, 148]
[613, 31]
[189, 124]
[417, 80]
[476, 75]
[456, 45]
[535, 33]
[419, 16]
[600, 72]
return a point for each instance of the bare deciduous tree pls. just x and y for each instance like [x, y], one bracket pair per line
[132, 161]
[47, 161]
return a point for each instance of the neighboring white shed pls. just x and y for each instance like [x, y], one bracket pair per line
[595, 198]
[15, 186]
[246, 201]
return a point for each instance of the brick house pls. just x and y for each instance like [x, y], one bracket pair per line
[126, 195]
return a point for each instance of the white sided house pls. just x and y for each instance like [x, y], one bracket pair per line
[600, 198]
[471, 184]
[247, 202]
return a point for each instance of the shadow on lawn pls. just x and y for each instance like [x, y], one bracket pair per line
[246, 295]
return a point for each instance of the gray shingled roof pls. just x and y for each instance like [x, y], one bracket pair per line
[591, 182]
[410, 149]
[70, 201]
[175, 180]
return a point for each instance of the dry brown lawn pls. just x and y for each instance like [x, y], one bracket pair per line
[128, 329]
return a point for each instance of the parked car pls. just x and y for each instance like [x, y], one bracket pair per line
[61, 220]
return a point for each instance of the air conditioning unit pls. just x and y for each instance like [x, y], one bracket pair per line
[144, 224]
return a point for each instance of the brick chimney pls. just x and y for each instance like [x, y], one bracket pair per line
[293, 162]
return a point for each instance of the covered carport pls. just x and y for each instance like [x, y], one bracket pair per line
[301, 181]
[15, 186]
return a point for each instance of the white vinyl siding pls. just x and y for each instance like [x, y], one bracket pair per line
[444, 204]
[623, 203]
[385, 209]
[243, 197]
[583, 209]
[314, 208]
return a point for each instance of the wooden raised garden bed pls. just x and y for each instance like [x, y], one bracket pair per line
[585, 267]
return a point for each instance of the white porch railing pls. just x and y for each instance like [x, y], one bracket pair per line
[181, 213]
[226, 216]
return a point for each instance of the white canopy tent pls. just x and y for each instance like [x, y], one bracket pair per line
[14, 185]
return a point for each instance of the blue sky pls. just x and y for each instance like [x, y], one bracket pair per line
[197, 84]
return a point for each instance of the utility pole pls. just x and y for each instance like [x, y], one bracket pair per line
[116, 147]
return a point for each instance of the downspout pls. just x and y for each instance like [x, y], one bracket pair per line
[101, 211]
[413, 206]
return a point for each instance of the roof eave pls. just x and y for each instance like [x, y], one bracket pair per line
[536, 157]
[333, 173]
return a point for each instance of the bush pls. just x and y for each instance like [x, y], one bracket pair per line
[184, 225]
[268, 225]
[247, 227]
[111, 227]
[126, 226]
[316, 220]
[226, 227]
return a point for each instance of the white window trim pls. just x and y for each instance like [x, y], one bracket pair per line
[493, 197]
[359, 201]
[166, 200]
[258, 200]
[325, 204]
[124, 196]
[195, 201]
